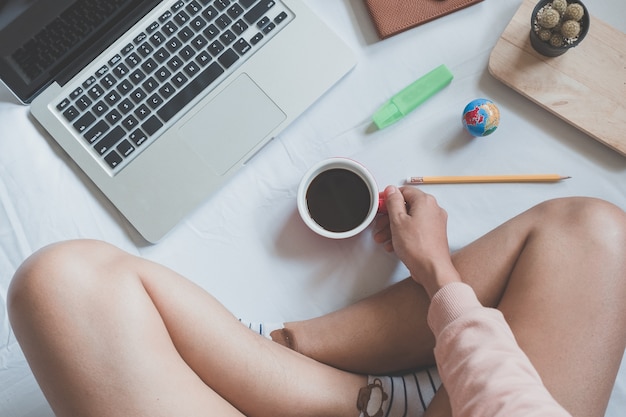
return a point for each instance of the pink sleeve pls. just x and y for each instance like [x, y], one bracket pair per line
[483, 369]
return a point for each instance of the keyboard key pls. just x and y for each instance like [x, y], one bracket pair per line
[165, 16]
[120, 71]
[211, 32]
[150, 85]
[187, 53]
[108, 81]
[161, 55]
[157, 39]
[215, 48]
[89, 82]
[138, 137]
[223, 21]
[181, 18]
[140, 38]
[138, 95]
[228, 58]
[189, 92]
[151, 125]
[191, 69]
[63, 104]
[203, 58]
[96, 131]
[185, 34]
[125, 148]
[166, 91]
[241, 46]
[102, 70]
[174, 44]
[169, 28]
[149, 65]
[145, 49]
[142, 112]
[130, 123]
[95, 92]
[108, 142]
[221, 4]
[282, 16]
[83, 102]
[127, 49]
[112, 98]
[258, 11]
[124, 87]
[175, 63]
[125, 106]
[179, 79]
[76, 93]
[133, 60]
[100, 108]
[198, 23]
[256, 38]
[247, 3]
[154, 101]
[234, 11]
[153, 26]
[263, 22]
[193, 8]
[84, 122]
[227, 37]
[267, 29]
[113, 116]
[239, 27]
[137, 76]
[210, 13]
[162, 74]
[113, 159]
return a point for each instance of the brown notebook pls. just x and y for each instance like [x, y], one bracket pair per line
[394, 16]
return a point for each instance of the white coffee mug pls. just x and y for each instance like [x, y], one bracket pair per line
[338, 198]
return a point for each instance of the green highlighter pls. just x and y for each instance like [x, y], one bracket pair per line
[412, 96]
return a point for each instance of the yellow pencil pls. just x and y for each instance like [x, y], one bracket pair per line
[476, 179]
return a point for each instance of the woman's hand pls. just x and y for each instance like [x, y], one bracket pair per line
[415, 228]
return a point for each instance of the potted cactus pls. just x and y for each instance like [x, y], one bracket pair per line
[558, 25]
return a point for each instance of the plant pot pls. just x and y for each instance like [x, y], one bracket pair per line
[545, 48]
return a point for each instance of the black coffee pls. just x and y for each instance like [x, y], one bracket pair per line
[338, 200]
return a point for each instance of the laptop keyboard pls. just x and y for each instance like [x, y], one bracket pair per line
[121, 108]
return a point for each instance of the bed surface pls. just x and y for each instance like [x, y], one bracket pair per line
[247, 244]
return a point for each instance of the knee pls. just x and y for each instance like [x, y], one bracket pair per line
[596, 221]
[46, 281]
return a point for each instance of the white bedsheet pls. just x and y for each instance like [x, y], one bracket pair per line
[247, 245]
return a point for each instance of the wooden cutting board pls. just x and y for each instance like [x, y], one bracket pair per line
[586, 86]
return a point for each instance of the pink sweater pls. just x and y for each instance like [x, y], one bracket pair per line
[483, 369]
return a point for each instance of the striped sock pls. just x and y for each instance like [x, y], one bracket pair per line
[264, 329]
[398, 396]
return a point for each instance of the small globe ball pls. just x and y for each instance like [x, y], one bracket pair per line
[481, 117]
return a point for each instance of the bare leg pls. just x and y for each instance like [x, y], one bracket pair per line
[557, 272]
[109, 334]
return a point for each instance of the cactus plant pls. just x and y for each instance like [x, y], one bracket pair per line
[558, 23]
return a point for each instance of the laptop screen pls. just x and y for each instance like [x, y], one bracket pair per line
[46, 40]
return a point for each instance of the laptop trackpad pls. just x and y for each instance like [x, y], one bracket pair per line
[230, 125]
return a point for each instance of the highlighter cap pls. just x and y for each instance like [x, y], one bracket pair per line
[388, 114]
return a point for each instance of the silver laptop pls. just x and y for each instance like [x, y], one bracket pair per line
[160, 102]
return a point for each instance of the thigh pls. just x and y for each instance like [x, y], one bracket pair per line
[562, 294]
[110, 334]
